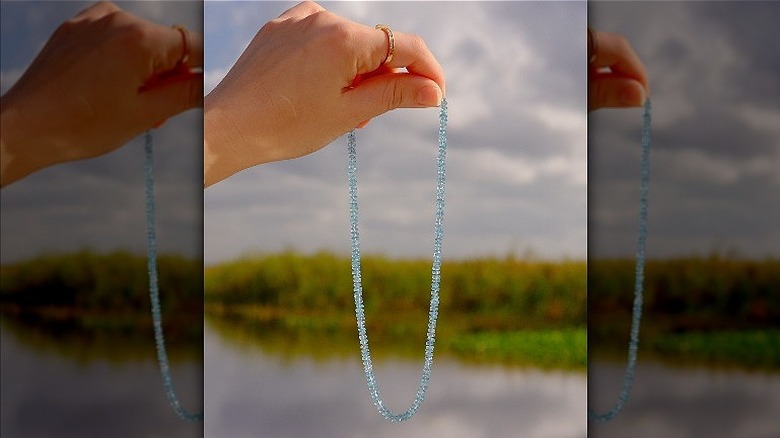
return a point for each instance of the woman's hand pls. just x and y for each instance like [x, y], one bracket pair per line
[616, 76]
[102, 78]
[306, 78]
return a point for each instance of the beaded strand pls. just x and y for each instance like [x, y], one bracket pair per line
[365, 353]
[639, 276]
[154, 292]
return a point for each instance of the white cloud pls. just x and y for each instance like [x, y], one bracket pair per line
[497, 73]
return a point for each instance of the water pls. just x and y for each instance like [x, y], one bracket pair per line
[674, 402]
[57, 387]
[250, 393]
[54, 386]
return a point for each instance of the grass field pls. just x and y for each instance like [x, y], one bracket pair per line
[507, 311]
[712, 310]
[708, 310]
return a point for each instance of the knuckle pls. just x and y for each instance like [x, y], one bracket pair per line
[418, 43]
[393, 95]
[622, 44]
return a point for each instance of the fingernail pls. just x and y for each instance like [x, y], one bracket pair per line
[429, 96]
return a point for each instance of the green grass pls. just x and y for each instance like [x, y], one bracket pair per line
[496, 294]
[509, 311]
[102, 298]
[703, 310]
[710, 310]
[752, 348]
[545, 348]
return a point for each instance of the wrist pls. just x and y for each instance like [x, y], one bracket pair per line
[227, 147]
[22, 145]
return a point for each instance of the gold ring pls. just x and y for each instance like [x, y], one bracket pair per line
[390, 42]
[593, 45]
[185, 36]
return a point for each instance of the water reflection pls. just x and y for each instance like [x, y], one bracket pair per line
[93, 385]
[252, 392]
[673, 402]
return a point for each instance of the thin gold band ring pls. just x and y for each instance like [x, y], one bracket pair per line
[593, 45]
[186, 39]
[390, 42]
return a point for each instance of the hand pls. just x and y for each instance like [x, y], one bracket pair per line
[102, 78]
[616, 76]
[306, 78]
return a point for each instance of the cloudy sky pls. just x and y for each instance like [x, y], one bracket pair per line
[517, 176]
[516, 163]
[714, 72]
[99, 203]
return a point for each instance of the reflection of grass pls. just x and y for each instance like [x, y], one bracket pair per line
[509, 311]
[755, 349]
[544, 348]
[714, 310]
[88, 305]
[128, 340]
[326, 338]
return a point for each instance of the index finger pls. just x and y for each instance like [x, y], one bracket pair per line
[410, 52]
[178, 44]
[615, 52]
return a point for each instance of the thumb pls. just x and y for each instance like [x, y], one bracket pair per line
[379, 94]
[172, 96]
[611, 91]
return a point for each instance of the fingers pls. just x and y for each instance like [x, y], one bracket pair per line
[177, 45]
[379, 94]
[410, 52]
[613, 91]
[173, 96]
[615, 52]
[191, 47]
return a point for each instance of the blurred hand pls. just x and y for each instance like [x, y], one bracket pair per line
[306, 78]
[102, 78]
[616, 76]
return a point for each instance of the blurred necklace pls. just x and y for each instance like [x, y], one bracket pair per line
[639, 275]
[154, 293]
[365, 353]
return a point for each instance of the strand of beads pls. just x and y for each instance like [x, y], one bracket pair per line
[639, 276]
[365, 353]
[154, 293]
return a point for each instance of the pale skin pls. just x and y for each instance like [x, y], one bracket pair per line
[103, 77]
[616, 77]
[306, 78]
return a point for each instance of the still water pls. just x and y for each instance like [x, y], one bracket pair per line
[687, 402]
[249, 393]
[52, 386]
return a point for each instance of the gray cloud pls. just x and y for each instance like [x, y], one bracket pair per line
[516, 159]
[99, 203]
[715, 85]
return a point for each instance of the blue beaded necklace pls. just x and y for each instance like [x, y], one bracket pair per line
[154, 293]
[639, 276]
[365, 353]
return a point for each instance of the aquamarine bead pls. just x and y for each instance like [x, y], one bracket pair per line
[154, 292]
[639, 277]
[433, 311]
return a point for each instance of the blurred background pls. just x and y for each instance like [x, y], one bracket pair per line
[281, 349]
[77, 352]
[709, 351]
